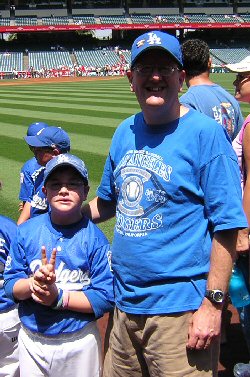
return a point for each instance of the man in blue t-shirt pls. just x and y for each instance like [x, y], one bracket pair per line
[172, 180]
[203, 94]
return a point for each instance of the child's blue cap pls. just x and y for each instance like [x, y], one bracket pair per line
[36, 127]
[66, 159]
[52, 137]
[156, 40]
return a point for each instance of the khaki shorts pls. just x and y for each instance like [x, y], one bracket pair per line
[155, 346]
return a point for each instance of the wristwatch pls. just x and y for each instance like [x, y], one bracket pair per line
[215, 295]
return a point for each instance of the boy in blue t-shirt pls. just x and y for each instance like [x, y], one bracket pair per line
[60, 300]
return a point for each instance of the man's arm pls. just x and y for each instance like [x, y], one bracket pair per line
[206, 321]
[99, 210]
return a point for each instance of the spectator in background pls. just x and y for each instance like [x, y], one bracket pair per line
[203, 94]
[241, 145]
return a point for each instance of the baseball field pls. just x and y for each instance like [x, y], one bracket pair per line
[88, 109]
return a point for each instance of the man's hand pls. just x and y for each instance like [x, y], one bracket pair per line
[242, 245]
[204, 325]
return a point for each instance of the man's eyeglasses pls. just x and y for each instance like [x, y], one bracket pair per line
[146, 70]
[56, 186]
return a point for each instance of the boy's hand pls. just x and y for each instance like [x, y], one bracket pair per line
[46, 273]
[44, 294]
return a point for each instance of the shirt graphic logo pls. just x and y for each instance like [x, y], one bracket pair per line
[141, 185]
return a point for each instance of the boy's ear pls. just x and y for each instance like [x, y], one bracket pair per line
[56, 151]
[44, 190]
[86, 191]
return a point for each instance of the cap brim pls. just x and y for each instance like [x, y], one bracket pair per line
[33, 141]
[239, 67]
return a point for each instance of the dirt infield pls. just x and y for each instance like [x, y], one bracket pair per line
[12, 82]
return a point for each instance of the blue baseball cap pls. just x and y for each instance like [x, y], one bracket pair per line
[36, 127]
[156, 40]
[66, 159]
[52, 137]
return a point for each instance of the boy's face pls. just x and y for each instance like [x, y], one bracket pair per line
[44, 154]
[65, 191]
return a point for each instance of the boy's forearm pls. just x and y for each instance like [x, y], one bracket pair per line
[78, 302]
[25, 214]
[21, 289]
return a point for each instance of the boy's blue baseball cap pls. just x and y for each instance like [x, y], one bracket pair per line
[52, 137]
[66, 159]
[36, 127]
[156, 40]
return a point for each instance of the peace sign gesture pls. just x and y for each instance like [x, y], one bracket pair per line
[42, 285]
[46, 272]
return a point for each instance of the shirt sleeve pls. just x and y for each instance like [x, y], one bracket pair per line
[106, 189]
[16, 267]
[220, 182]
[26, 186]
[100, 293]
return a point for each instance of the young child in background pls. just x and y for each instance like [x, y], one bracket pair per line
[9, 319]
[30, 170]
[62, 294]
[46, 144]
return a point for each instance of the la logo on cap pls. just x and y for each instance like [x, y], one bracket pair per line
[153, 39]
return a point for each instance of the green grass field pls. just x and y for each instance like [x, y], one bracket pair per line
[89, 111]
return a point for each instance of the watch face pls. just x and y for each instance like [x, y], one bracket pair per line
[218, 296]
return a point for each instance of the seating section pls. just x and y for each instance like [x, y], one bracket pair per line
[23, 21]
[49, 59]
[137, 18]
[245, 17]
[4, 21]
[197, 18]
[86, 19]
[10, 61]
[113, 20]
[216, 61]
[228, 18]
[141, 18]
[55, 21]
[170, 18]
[230, 55]
[99, 58]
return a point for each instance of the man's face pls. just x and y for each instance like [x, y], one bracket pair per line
[242, 87]
[159, 83]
